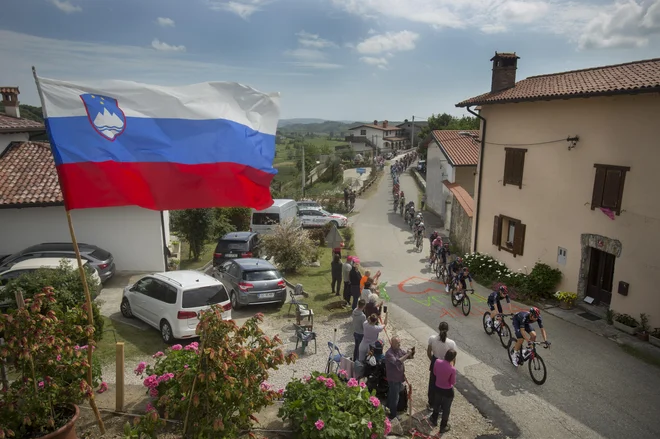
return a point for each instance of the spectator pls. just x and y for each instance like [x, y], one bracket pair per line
[358, 327]
[371, 330]
[352, 198]
[395, 371]
[364, 279]
[373, 307]
[445, 380]
[346, 194]
[438, 346]
[423, 200]
[354, 278]
[346, 272]
[336, 271]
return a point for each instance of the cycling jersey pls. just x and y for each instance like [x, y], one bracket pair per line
[494, 298]
[443, 252]
[454, 266]
[433, 236]
[462, 277]
[521, 320]
[420, 230]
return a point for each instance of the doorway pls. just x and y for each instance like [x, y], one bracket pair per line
[601, 276]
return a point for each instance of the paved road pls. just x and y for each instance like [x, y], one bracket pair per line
[593, 390]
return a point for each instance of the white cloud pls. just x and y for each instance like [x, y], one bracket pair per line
[388, 42]
[381, 63]
[306, 54]
[627, 24]
[165, 22]
[66, 6]
[307, 39]
[164, 47]
[318, 65]
[242, 8]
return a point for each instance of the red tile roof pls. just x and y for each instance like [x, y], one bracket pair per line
[464, 199]
[461, 150]
[10, 124]
[629, 78]
[378, 127]
[28, 176]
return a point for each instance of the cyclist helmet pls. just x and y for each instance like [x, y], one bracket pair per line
[504, 289]
[459, 259]
[421, 225]
[534, 312]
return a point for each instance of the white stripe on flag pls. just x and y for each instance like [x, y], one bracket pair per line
[209, 100]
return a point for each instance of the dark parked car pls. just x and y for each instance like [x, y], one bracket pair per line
[98, 258]
[251, 282]
[236, 245]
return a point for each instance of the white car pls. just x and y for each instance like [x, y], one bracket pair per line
[30, 265]
[172, 301]
[319, 218]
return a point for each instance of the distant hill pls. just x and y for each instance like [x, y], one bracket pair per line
[323, 127]
[296, 121]
[27, 112]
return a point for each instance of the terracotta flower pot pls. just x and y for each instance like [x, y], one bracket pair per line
[566, 305]
[68, 430]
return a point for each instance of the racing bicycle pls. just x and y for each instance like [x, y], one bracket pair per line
[537, 369]
[463, 300]
[491, 326]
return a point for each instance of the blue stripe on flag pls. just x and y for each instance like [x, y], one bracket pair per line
[145, 140]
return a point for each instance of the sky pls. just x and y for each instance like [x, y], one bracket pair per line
[355, 60]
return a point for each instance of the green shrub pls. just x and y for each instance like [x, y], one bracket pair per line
[543, 280]
[318, 234]
[347, 233]
[627, 320]
[290, 246]
[70, 293]
[323, 406]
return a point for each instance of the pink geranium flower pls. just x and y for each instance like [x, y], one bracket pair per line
[342, 373]
[363, 385]
[157, 354]
[388, 426]
[140, 368]
[374, 401]
[320, 378]
[103, 387]
[370, 425]
[352, 382]
[319, 424]
[329, 383]
[177, 347]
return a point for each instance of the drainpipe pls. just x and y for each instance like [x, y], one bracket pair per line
[165, 249]
[481, 167]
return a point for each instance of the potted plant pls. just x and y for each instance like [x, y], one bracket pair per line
[173, 264]
[566, 299]
[644, 327]
[609, 316]
[49, 369]
[654, 337]
[626, 323]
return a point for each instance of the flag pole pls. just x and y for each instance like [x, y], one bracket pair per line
[83, 278]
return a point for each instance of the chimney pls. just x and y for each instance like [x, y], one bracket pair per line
[504, 71]
[384, 124]
[10, 101]
[376, 122]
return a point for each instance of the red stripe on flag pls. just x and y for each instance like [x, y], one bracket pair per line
[164, 186]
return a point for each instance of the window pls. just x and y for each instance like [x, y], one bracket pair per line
[608, 187]
[514, 163]
[509, 234]
[204, 296]
[363, 132]
[252, 276]
[265, 219]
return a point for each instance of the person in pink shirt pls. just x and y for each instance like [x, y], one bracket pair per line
[445, 379]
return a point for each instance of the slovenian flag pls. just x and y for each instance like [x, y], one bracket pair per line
[122, 143]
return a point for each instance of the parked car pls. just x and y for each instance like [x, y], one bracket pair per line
[29, 265]
[306, 204]
[251, 282]
[172, 301]
[389, 156]
[236, 245]
[321, 217]
[264, 221]
[421, 166]
[98, 258]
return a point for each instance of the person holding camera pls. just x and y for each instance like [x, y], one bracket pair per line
[395, 371]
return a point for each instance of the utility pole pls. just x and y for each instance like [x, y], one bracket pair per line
[412, 133]
[303, 170]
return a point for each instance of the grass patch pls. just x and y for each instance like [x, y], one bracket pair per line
[321, 141]
[641, 355]
[137, 343]
[316, 282]
[204, 258]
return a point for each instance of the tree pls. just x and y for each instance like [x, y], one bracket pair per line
[195, 226]
[311, 155]
[446, 121]
[290, 246]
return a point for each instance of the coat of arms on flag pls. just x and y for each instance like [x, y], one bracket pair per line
[105, 115]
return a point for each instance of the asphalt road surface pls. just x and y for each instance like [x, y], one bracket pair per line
[593, 389]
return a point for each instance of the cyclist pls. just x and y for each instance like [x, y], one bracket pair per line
[432, 238]
[462, 279]
[418, 220]
[443, 251]
[495, 298]
[402, 201]
[419, 232]
[522, 328]
[455, 266]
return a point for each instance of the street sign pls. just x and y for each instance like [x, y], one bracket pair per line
[333, 239]
[360, 170]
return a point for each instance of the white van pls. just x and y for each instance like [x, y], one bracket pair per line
[264, 221]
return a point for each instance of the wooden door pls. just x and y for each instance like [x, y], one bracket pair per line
[600, 277]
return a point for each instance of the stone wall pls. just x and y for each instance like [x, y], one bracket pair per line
[460, 229]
